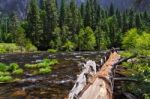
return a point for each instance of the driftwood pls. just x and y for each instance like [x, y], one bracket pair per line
[89, 68]
[100, 85]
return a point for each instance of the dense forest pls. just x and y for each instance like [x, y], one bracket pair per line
[70, 27]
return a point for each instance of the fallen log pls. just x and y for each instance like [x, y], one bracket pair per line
[100, 85]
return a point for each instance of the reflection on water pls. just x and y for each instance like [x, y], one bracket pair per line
[53, 86]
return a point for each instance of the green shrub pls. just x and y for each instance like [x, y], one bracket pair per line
[13, 66]
[144, 52]
[2, 50]
[68, 46]
[4, 73]
[146, 96]
[53, 62]
[30, 47]
[3, 67]
[41, 65]
[12, 47]
[44, 70]
[127, 64]
[5, 78]
[129, 39]
[31, 66]
[52, 50]
[9, 47]
[35, 72]
[136, 40]
[126, 54]
[47, 62]
[143, 42]
[18, 71]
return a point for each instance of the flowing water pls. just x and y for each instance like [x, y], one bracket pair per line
[55, 85]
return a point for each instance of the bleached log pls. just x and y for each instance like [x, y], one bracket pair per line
[101, 84]
[88, 68]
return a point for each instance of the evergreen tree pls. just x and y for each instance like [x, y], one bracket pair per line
[20, 38]
[80, 39]
[51, 15]
[33, 23]
[56, 42]
[98, 35]
[131, 19]
[82, 10]
[88, 15]
[125, 22]
[102, 39]
[111, 10]
[14, 24]
[51, 20]
[119, 21]
[43, 4]
[65, 34]
[63, 14]
[138, 21]
[98, 16]
[94, 16]
[42, 22]
[74, 17]
[112, 21]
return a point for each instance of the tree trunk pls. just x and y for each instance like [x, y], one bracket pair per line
[100, 85]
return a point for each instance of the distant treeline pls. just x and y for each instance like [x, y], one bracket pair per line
[70, 27]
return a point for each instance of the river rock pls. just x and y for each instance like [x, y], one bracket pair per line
[19, 93]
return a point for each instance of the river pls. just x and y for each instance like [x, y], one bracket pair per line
[55, 85]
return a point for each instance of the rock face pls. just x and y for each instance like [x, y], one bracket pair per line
[20, 6]
[8, 6]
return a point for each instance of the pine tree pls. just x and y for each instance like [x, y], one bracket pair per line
[98, 35]
[42, 22]
[102, 38]
[82, 10]
[43, 4]
[20, 38]
[56, 42]
[51, 20]
[33, 22]
[14, 24]
[125, 22]
[98, 15]
[63, 14]
[74, 17]
[120, 21]
[65, 34]
[80, 40]
[94, 6]
[111, 10]
[51, 15]
[138, 21]
[88, 16]
[131, 19]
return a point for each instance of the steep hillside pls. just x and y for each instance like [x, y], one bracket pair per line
[8, 6]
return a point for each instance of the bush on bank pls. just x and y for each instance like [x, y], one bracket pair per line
[12, 47]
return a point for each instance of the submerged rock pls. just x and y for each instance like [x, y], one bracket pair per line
[19, 93]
